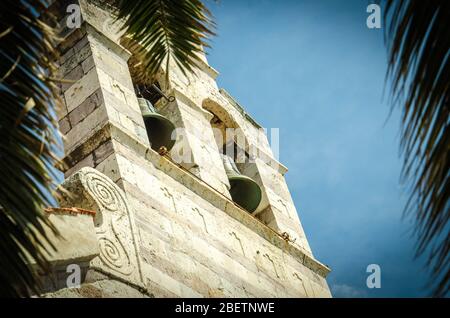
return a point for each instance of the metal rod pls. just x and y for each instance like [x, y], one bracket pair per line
[169, 99]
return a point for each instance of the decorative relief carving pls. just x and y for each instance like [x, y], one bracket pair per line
[169, 195]
[267, 256]
[239, 241]
[113, 222]
[111, 241]
[105, 192]
[285, 207]
[202, 217]
[296, 275]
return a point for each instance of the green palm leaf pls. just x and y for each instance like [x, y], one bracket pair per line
[28, 131]
[419, 67]
[165, 30]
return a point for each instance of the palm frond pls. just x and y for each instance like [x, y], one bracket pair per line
[28, 138]
[165, 30]
[419, 68]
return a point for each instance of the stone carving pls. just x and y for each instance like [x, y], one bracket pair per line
[113, 222]
[296, 275]
[169, 195]
[267, 256]
[239, 241]
[105, 192]
[112, 250]
[286, 208]
[202, 217]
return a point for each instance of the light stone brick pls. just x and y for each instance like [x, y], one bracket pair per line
[85, 128]
[86, 162]
[64, 125]
[72, 77]
[109, 167]
[131, 109]
[76, 57]
[77, 243]
[61, 110]
[87, 64]
[85, 108]
[82, 89]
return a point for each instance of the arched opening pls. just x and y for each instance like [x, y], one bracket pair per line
[161, 131]
[231, 143]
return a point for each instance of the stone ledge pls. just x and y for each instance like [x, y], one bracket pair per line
[239, 108]
[77, 242]
[108, 287]
[208, 69]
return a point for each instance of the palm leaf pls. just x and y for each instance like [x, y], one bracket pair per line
[419, 68]
[164, 30]
[28, 131]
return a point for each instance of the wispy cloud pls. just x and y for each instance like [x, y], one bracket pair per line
[346, 291]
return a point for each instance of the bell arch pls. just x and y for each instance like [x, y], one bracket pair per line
[241, 171]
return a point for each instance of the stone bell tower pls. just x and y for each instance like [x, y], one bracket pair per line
[165, 227]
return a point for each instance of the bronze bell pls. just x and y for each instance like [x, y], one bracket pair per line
[159, 128]
[244, 190]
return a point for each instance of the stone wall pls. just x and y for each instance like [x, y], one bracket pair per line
[166, 229]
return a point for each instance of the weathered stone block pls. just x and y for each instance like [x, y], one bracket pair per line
[82, 89]
[85, 108]
[64, 125]
[77, 241]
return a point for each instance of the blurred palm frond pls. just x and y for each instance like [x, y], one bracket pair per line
[28, 139]
[161, 30]
[418, 38]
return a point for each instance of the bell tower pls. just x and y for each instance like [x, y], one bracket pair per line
[180, 217]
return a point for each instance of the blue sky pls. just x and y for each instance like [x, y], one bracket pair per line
[314, 70]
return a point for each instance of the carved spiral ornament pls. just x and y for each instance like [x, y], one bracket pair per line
[113, 254]
[112, 205]
[105, 192]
